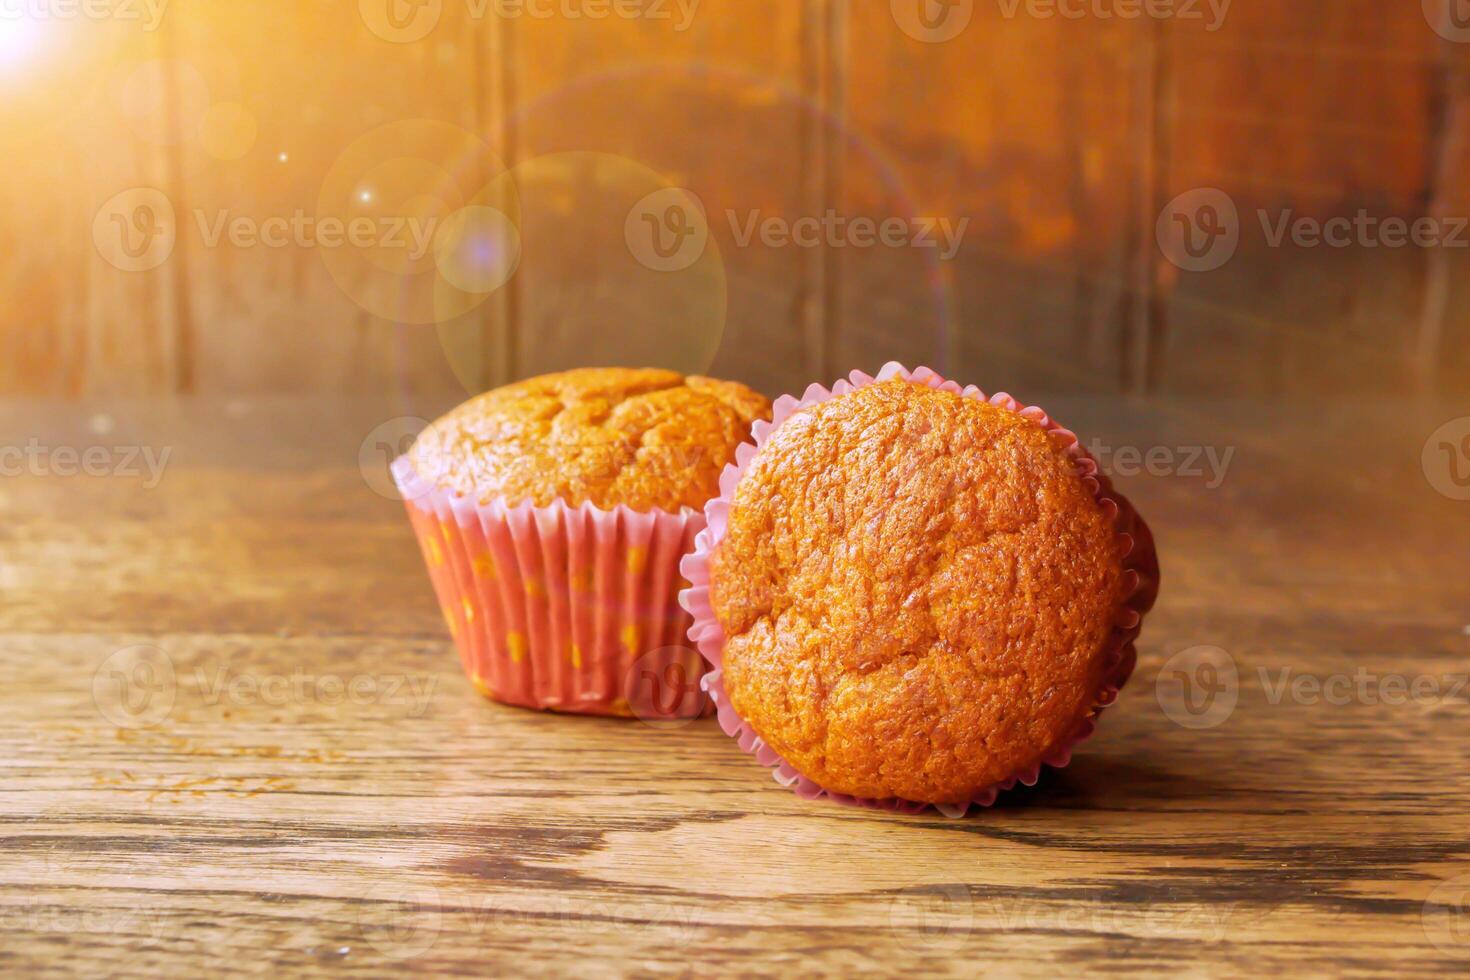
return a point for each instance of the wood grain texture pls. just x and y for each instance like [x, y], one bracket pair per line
[1022, 127]
[1058, 139]
[1315, 111]
[71, 322]
[319, 791]
[714, 97]
[311, 80]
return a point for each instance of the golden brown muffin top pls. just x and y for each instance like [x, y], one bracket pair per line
[916, 589]
[645, 437]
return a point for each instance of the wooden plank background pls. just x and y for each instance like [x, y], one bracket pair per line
[1059, 139]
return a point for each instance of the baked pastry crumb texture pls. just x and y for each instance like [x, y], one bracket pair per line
[917, 591]
[641, 437]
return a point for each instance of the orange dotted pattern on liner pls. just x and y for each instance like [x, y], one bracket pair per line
[556, 615]
[553, 612]
[516, 643]
[917, 590]
[647, 438]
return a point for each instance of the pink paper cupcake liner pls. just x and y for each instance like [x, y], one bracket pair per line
[559, 607]
[1142, 581]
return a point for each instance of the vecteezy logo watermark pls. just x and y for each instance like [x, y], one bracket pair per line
[1208, 462]
[927, 918]
[1446, 459]
[1449, 18]
[662, 687]
[401, 921]
[834, 230]
[1211, 11]
[667, 230]
[147, 12]
[1446, 916]
[35, 459]
[406, 21]
[932, 21]
[401, 21]
[135, 687]
[1198, 688]
[135, 229]
[1199, 230]
[387, 442]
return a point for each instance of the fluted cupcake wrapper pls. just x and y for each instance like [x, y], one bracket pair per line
[1142, 571]
[560, 607]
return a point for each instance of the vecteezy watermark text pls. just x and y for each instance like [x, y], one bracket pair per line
[404, 920]
[1363, 686]
[136, 230]
[227, 687]
[1201, 230]
[1200, 687]
[406, 21]
[140, 687]
[147, 12]
[1364, 229]
[35, 459]
[413, 235]
[833, 230]
[668, 230]
[937, 21]
[1213, 12]
[1208, 462]
[681, 12]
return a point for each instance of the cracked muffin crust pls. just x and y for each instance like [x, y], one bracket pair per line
[917, 590]
[646, 438]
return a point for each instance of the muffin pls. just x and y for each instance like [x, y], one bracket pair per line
[552, 515]
[916, 595]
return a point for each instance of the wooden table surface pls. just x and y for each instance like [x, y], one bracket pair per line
[292, 775]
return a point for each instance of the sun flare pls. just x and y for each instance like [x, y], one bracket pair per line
[20, 37]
